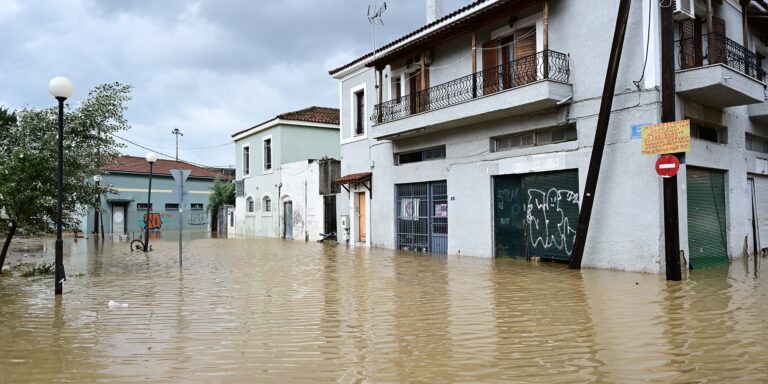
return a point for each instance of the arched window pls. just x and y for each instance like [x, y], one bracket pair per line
[267, 204]
[249, 206]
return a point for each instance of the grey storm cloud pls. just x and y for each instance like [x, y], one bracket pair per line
[209, 68]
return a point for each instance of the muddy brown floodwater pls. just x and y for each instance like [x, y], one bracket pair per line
[258, 310]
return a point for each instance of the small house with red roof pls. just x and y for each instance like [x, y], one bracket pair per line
[123, 212]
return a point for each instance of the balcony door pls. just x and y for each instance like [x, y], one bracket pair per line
[419, 100]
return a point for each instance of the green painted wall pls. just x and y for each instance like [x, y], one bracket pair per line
[301, 143]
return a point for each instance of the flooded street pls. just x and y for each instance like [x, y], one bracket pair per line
[258, 310]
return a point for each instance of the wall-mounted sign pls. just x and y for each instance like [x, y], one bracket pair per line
[636, 131]
[672, 137]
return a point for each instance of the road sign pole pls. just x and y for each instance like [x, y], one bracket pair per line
[181, 218]
[180, 176]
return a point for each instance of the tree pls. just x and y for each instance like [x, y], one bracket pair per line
[223, 194]
[29, 158]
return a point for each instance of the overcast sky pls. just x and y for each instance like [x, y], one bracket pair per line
[210, 68]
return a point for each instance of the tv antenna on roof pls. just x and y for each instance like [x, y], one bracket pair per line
[374, 17]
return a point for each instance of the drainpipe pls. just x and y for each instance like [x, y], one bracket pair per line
[710, 27]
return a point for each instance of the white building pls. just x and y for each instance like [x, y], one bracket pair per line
[479, 139]
[279, 167]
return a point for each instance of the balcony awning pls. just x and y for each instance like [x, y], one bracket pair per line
[356, 178]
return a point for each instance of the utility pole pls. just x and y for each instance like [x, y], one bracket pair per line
[177, 132]
[671, 219]
[601, 132]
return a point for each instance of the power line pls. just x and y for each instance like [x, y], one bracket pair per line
[163, 154]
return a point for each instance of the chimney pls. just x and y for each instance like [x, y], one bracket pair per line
[434, 10]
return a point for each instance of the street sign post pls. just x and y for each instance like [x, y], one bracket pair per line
[667, 165]
[180, 176]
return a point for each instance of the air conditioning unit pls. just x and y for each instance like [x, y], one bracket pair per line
[684, 9]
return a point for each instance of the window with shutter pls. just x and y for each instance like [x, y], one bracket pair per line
[246, 160]
[506, 48]
[359, 113]
[525, 57]
[491, 74]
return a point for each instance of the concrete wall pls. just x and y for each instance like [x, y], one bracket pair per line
[301, 186]
[301, 143]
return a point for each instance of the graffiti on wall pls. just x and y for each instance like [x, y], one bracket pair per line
[511, 197]
[155, 220]
[152, 221]
[198, 218]
[548, 224]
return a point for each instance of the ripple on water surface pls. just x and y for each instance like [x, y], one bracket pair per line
[259, 310]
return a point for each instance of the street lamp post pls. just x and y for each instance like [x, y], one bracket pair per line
[151, 158]
[61, 88]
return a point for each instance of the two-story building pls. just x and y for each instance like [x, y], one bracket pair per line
[472, 135]
[123, 212]
[284, 170]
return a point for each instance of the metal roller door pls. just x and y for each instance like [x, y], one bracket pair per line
[536, 215]
[706, 218]
[422, 217]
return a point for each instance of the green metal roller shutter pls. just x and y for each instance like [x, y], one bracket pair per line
[552, 213]
[706, 218]
[509, 216]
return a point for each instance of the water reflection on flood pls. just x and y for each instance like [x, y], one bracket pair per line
[257, 310]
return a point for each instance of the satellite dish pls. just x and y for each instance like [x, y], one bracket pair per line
[374, 13]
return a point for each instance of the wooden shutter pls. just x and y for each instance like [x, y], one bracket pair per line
[415, 96]
[717, 42]
[490, 78]
[525, 56]
[687, 44]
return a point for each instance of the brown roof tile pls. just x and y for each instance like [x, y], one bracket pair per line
[134, 164]
[354, 178]
[320, 115]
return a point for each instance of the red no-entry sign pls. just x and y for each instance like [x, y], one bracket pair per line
[667, 165]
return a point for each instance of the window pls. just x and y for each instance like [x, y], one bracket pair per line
[196, 206]
[171, 206]
[249, 205]
[703, 131]
[142, 206]
[246, 160]
[359, 112]
[421, 155]
[267, 204]
[268, 154]
[535, 138]
[756, 143]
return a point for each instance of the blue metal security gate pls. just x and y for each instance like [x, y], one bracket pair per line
[422, 217]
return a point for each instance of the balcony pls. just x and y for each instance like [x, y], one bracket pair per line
[718, 72]
[525, 85]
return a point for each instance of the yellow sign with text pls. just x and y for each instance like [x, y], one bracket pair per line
[664, 138]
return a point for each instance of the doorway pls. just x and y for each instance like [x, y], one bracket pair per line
[536, 214]
[707, 236]
[118, 219]
[288, 215]
[329, 214]
[360, 201]
[422, 217]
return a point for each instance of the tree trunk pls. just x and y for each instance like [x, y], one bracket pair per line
[7, 244]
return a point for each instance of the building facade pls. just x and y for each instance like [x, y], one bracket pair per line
[124, 212]
[479, 138]
[281, 165]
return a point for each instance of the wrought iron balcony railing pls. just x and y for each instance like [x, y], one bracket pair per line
[544, 65]
[715, 48]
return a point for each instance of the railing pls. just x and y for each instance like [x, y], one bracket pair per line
[545, 65]
[715, 48]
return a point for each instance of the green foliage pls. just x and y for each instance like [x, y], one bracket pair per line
[223, 194]
[41, 270]
[29, 157]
